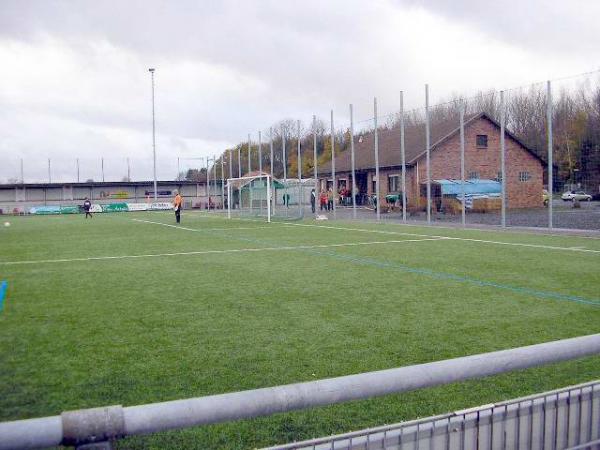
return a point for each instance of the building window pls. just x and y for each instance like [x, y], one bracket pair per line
[473, 175]
[482, 141]
[393, 183]
[374, 185]
[342, 185]
[524, 176]
[499, 176]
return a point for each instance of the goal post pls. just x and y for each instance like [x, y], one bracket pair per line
[250, 196]
[260, 196]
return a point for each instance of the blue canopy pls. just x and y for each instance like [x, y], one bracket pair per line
[454, 187]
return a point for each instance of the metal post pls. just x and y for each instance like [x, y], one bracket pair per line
[77, 164]
[128, 171]
[403, 156]
[22, 174]
[427, 150]
[215, 177]
[353, 189]
[259, 152]
[228, 199]
[102, 163]
[283, 153]
[178, 169]
[268, 200]
[462, 164]
[503, 158]
[300, 190]
[249, 155]
[377, 205]
[49, 172]
[239, 161]
[151, 70]
[550, 155]
[207, 187]
[285, 192]
[333, 165]
[222, 181]
[230, 177]
[315, 172]
[271, 164]
[271, 148]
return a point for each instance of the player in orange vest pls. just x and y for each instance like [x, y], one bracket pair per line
[177, 204]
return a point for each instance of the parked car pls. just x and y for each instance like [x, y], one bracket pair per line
[576, 195]
[545, 197]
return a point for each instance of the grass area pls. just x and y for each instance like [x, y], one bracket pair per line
[205, 311]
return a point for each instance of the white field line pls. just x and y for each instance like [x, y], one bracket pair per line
[400, 233]
[485, 241]
[208, 229]
[212, 252]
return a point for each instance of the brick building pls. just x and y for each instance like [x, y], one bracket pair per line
[524, 169]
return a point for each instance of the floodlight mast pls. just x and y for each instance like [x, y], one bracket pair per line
[151, 70]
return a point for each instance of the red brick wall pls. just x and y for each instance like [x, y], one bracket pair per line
[445, 163]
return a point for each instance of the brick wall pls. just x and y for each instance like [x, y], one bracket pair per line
[445, 164]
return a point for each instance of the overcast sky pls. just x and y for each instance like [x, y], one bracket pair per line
[75, 81]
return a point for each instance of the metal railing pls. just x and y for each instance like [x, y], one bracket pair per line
[110, 423]
[567, 417]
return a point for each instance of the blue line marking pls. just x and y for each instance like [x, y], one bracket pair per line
[3, 288]
[442, 275]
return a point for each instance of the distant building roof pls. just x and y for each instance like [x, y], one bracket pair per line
[414, 144]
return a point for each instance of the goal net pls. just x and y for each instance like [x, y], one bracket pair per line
[263, 197]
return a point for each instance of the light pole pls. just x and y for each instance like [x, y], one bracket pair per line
[151, 70]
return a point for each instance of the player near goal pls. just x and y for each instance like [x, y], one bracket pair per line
[177, 202]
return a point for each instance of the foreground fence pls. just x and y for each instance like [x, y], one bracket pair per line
[559, 419]
[107, 424]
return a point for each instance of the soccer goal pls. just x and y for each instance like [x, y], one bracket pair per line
[262, 197]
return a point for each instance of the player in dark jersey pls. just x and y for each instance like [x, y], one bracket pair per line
[87, 206]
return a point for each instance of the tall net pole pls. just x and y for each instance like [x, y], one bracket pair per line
[207, 186]
[230, 177]
[222, 182]
[271, 149]
[403, 156]
[239, 161]
[428, 150]
[462, 164]
[315, 170]
[503, 157]
[377, 200]
[260, 163]
[271, 164]
[260, 168]
[334, 187]
[154, 139]
[550, 154]
[216, 190]
[248, 174]
[353, 186]
[299, 156]
[285, 192]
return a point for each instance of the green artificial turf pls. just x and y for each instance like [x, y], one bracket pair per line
[78, 332]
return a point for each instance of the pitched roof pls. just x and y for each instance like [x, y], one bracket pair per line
[414, 144]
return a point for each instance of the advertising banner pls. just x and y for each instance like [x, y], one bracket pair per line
[114, 207]
[41, 210]
[96, 208]
[161, 206]
[137, 206]
[44, 210]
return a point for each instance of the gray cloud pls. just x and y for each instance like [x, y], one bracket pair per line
[76, 80]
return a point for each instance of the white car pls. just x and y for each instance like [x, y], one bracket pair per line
[576, 195]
